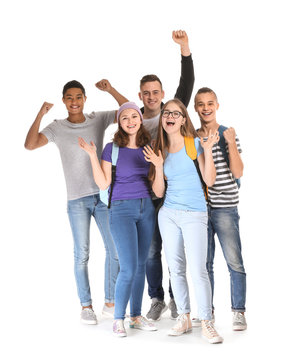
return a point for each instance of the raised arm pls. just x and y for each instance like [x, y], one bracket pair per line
[158, 185]
[185, 88]
[101, 173]
[236, 163]
[206, 162]
[34, 138]
[104, 85]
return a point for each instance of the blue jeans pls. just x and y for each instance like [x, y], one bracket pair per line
[132, 225]
[224, 222]
[184, 235]
[79, 213]
[154, 272]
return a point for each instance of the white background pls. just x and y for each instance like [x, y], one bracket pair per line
[241, 49]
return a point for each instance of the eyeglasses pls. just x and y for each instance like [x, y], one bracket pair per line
[174, 114]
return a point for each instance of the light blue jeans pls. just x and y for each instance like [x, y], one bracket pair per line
[132, 225]
[184, 235]
[80, 212]
[224, 222]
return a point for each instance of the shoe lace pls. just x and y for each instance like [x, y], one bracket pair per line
[156, 305]
[181, 319]
[238, 317]
[210, 328]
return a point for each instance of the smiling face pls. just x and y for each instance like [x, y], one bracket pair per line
[74, 100]
[130, 121]
[151, 94]
[172, 123]
[206, 106]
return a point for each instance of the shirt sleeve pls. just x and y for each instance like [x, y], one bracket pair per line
[186, 84]
[50, 131]
[198, 146]
[106, 153]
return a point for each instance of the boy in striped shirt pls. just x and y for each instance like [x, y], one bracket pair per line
[223, 217]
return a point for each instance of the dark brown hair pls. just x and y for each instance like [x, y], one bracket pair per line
[162, 143]
[149, 78]
[205, 90]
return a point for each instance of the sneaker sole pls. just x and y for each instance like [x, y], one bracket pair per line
[239, 327]
[150, 318]
[142, 328]
[217, 340]
[105, 313]
[179, 333]
[119, 335]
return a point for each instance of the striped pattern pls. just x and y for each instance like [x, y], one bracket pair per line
[224, 192]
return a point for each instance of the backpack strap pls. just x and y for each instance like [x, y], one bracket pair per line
[223, 147]
[114, 157]
[192, 153]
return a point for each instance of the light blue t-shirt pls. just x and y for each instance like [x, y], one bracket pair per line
[184, 190]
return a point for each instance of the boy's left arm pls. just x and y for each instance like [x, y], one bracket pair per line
[236, 163]
[186, 85]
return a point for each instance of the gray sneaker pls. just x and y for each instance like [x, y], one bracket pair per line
[156, 310]
[88, 317]
[173, 309]
[239, 321]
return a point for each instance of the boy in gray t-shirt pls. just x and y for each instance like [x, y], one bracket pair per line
[82, 192]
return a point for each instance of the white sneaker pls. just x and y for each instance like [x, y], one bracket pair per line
[196, 322]
[239, 321]
[108, 311]
[209, 333]
[119, 328]
[88, 316]
[183, 325]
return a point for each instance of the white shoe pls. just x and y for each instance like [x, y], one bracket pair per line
[88, 316]
[239, 321]
[183, 325]
[142, 323]
[209, 333]
[108, 311]
[119, 328]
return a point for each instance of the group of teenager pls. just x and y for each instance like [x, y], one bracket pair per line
[166, 184]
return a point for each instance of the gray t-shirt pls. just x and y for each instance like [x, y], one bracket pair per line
[151, 125]
[75, 161]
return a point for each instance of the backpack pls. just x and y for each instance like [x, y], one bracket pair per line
[222, 145]
[192, 153]
[106, 195]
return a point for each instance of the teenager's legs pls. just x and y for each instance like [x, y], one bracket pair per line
[154, 264]
[124, 215]
[111, 267]
[175, 255]
[79, 214]
[145, 228]
[194, 230]
[226, 224]
[210, 253]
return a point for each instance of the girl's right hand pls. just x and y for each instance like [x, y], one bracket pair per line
[150, 156]
[89, 148]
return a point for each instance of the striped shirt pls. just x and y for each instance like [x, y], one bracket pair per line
[224, 192]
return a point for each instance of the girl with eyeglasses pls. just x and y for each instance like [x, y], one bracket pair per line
[183, 217]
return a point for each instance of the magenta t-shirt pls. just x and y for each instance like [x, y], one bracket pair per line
[131, 181]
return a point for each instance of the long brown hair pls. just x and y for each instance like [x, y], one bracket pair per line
[121, 138]
[162, 143]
